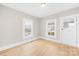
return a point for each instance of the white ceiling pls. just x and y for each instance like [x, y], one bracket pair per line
[35, 9]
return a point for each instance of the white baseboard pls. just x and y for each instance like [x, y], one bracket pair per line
[26, 41]
[59, 41]
[17, 44]
[50, 39]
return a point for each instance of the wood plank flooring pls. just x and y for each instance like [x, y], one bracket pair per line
[41, 47]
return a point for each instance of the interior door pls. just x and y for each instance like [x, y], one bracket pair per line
[68, 30]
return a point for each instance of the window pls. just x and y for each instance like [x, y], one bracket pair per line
[69, 23]
[27, 28]
[51, 28]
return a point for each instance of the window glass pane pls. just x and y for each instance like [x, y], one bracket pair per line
[51, 28]
[27, 29]
[68, 24]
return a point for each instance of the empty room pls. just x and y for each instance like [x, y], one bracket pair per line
[39, 29]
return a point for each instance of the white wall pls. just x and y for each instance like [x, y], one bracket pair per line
[11, 26]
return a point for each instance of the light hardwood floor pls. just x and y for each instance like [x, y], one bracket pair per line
[41, 47]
